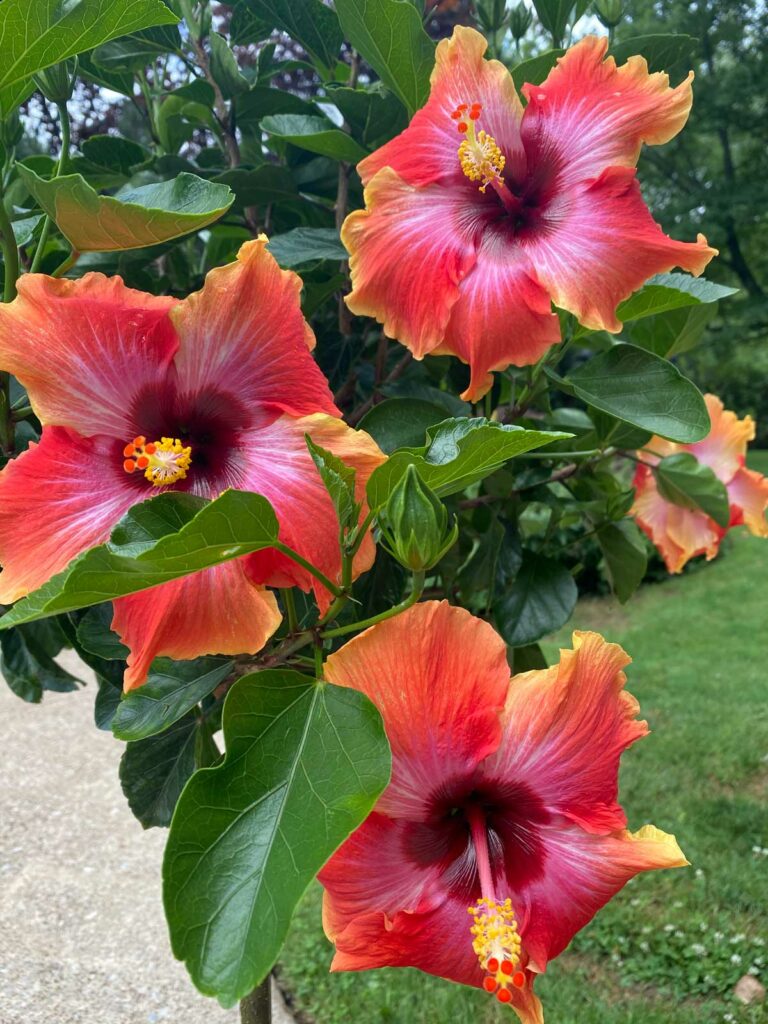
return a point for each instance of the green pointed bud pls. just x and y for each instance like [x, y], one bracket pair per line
[415, 525]
[520, 21]
[56, 83]
[492, 14]
[609, 12]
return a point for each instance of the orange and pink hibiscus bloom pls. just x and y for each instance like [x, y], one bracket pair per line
[502, 802]
[139, 394]
[681, 533]
[481, 214]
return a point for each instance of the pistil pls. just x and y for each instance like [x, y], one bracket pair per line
[495, 937]
[480, 157]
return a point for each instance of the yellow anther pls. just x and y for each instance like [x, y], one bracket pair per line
[496, 943]
[479, 154]
[163, 462]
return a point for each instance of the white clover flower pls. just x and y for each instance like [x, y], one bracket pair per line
[735, 959]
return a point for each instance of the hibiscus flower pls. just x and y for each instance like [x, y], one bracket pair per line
[481, 214]
[139, 394]
[682, 533]
[499, 835]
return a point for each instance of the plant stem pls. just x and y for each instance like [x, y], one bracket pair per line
[67, 265]
[10, 254]
[290, 608]
[257, 1007]
[60, 168]
[354, 627]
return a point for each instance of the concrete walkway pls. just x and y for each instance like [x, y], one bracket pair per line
[82, 934]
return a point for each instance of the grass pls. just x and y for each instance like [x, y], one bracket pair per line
[672, 945]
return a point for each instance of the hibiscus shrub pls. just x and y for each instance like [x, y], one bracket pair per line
[328, 329]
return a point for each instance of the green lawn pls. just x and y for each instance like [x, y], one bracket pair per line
[670, 947]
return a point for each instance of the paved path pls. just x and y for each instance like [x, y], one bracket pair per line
[82, 934]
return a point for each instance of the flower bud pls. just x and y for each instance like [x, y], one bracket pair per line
[492, 14]
[609, 12]
[520, 21]
[56, 83]
[414, 524]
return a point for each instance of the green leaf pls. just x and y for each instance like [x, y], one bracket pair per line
[303, 245]
[225, 69]
[535, 69]
[478, 573]
[134, 219]
[115, 153]
[339, 480]
[661, 51]
[671, 291]
[553, 15]
[94, 633]
[246, 27]
[670, 333]
[305, 763]
[117, 81]
[310, 23]
[401, 422]
[374, 115]
[642, 389]
[625, 556]
[458, 452]
[540, 600]
[390, 35]
[37, 34]
[153, 771]
[133, 52]
[172, 689]
[527, 658]
[106, 703]
[316, 134]
[159, 540]
[263, 100]
[27, 662]
[685, 481]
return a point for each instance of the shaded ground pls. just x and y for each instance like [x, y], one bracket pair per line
[671, 947]
[82, 934]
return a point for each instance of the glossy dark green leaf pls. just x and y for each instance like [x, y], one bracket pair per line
[305, 245]
[478, 574]
[134, 219]
[37, 34]
[159, 540]
[261, 101]
[625, 556]
[661, 51]
[246, 27]
[685, 481]
[642, 389]
[540, 600]
[133, 52]
[339, 480]
[118, 81]
[390, 36]
[535, 69]
[115, 153]
[309, 22]
[27, 662]
[672, 332]
[107, 702]
[401, 422]
[458, 452]
[527, 658]
[154, 771]
[304, 765]
[225, 69]
[172, 689]
[374, 115]
[316, 134]
[671, 291]
[94, 634]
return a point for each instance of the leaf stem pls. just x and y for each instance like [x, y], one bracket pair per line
[354, 627]
[290, 608]
[60, 168]
[10, 254]
[67, 264]
[312, 569]
[256, 1008]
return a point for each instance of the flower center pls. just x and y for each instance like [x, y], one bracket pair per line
[163, 462]
[495, 938]
[479, 154]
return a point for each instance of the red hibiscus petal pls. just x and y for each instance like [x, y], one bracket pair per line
[244, 332]
[83, 349]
